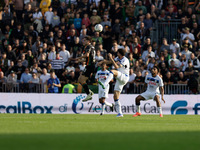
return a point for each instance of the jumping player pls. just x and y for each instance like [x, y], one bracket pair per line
[152, 81]
[121, 63]
[102, 75]
[89, 56]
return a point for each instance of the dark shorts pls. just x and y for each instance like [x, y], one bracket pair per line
[88, 70]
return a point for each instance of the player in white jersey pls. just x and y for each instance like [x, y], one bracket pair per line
[121, 63]
[153, 82]
[102, 75]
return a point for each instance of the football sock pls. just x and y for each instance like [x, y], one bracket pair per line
[159, 110]
[108, 104]
[138, 108]
[103, 107]
[118, 106]
[109, 78]
[86, 89]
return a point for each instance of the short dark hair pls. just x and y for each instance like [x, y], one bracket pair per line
[52, 70]
[88, 38]
[122, 52]
[156, 68]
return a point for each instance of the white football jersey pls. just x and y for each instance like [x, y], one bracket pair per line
[153, 83]
[123, 64]
[102, 75]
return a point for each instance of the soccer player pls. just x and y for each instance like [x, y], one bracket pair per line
[102, 75]
[121, 63]
[89, 57]
[152, 81]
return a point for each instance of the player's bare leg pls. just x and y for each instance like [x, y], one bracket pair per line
[104, 103]
[137, 102]
[82, 80]
[117, 103]
[156, 98]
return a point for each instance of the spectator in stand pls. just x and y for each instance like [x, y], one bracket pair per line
[4, 62]
[164, 46]
[195, 30]
[148, 23]
[98, 56]
[34, 78]
[142, 33]
[139, 80]
[173, 69]
[12, 77]
[188, 36]
[166, 55]
[105, 21]
[19, 5]
[95, 19]
[62, 9]
[189, 71]
[64, 54]
[3, 79]
[25, 77]
[48, 16]
[58, 64]
[181, 78]
[77, 22]
[162, 15]
[55, 20]
[174, 47]
[86, 20]
[37, 17]
[52, 54]
[195, 62]
[53, 83]
[28, 17]
[138, 7]
[176, 61]
[169, 79]
[147, 43]
[70, 71]
[24, 61]
[147, 54]
[186, 52]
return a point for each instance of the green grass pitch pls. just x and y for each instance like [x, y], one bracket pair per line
[94, 132]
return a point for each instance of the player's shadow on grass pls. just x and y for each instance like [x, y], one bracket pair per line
[101, 141]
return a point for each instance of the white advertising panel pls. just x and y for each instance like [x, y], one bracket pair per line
[72, 103]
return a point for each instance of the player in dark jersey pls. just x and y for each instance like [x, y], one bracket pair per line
[89, 57]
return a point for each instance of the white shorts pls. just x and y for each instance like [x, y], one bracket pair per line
[103, 92]
[122, 79]
[149, 95]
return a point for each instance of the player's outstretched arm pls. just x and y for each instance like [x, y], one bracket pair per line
[162, 93]
[104, 61]
[112, 60]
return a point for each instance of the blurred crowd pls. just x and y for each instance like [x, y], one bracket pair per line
[37, 36]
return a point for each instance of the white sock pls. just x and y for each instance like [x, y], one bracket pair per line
[159, 110]
[118, 107]
[138, 108]
[108, 104]
[102, 108]
[109, 78]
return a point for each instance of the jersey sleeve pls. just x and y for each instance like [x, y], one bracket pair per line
[96, 76]
[146, 79]
[161, 82]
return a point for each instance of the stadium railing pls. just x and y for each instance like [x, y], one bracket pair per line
[166, 29]
[128, 89]
[21, 88]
